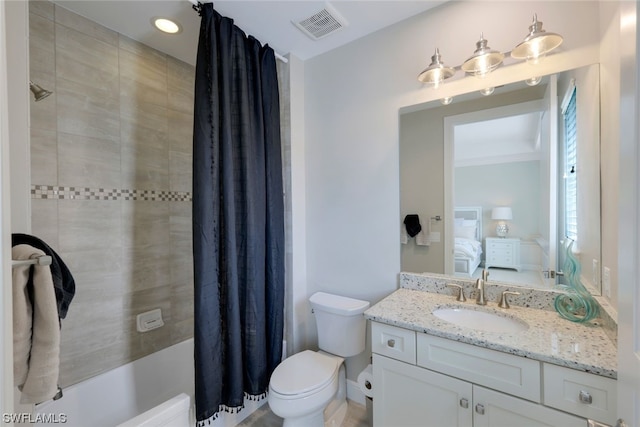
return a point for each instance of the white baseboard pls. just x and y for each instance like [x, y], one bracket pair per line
[354, 393]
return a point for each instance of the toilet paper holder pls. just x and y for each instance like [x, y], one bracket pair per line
[365, 381]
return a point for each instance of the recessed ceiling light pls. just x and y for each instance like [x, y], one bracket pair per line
[166, 25]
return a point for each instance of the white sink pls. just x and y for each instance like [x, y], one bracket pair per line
[481, 320]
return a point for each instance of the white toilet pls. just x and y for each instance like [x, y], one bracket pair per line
[309, 389]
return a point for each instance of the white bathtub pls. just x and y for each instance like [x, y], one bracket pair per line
[124, 393]
[174, 412]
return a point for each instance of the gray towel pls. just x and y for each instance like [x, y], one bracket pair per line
[36, 329]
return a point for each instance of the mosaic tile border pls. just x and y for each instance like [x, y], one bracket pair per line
[86, 193]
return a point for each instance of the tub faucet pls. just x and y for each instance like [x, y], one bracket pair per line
[480, 299]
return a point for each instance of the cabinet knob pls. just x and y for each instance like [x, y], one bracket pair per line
[585, 397]
[480, 409]
[391, 343]
[464, 403]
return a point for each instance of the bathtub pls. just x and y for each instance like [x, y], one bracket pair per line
[144, 393]
[122, 394]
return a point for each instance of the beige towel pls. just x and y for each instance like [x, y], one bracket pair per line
[36, 330]
[423, 238]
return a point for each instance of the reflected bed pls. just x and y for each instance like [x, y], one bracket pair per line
[468, 239]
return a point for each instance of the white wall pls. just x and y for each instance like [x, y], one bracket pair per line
[610, 27]
[15, 173]
[352, 98]
[6, 321]
[507, 184]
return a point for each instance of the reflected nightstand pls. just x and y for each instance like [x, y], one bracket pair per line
[502, 252]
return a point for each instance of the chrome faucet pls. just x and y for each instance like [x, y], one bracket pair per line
[480, 299]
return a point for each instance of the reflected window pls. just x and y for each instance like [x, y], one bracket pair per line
[570, 172]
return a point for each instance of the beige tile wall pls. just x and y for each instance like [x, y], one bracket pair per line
[120, 119]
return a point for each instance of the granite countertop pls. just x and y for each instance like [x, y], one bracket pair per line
[549, 338]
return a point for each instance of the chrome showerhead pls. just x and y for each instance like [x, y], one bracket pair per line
[38, 92]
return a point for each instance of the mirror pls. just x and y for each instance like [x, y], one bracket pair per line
[460, 162]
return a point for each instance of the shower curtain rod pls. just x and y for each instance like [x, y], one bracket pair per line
[195, 4]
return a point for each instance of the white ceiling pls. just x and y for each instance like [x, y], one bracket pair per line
[268, 21]
[506, 139]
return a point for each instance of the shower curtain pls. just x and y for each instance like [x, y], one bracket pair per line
[238, 218]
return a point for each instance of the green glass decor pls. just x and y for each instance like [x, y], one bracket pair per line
[576, 304]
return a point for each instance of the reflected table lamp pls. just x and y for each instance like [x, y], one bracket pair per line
[502, 214]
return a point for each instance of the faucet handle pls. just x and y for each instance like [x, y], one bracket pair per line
[503, 298]
[460, 296]
[485, 274]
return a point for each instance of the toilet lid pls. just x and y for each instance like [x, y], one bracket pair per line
[303, 372]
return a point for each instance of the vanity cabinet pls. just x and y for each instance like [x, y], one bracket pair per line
[423, 380]
[406, 395]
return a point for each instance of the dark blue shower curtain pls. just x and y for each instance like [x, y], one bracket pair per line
[238, 217]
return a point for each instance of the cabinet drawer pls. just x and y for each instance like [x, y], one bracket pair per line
[497, 249]
[500, 371]
[590, 396]
[391, 341]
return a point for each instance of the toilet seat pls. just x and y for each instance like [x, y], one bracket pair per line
[303, 374]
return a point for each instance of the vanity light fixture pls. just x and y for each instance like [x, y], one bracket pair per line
[436, 72]
[166, 25]
[484, 60]
[536, 45]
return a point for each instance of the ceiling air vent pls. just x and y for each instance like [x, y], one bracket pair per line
[322, 23]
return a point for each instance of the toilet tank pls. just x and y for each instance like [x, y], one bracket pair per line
[340, 323]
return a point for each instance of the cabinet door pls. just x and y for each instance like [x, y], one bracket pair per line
[494, 409]
[408, 396]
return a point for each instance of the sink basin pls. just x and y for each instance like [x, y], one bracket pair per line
[480, 320]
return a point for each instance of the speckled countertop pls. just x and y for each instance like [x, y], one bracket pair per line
[549, 338]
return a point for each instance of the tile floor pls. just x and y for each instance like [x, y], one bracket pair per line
[263, 417]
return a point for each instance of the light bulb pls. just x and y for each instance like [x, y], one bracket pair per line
[536, 59]
[487, 91]
[533, 81]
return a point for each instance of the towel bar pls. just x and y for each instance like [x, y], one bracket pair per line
[42, 260]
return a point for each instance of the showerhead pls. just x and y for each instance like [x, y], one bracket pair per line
[38, 92]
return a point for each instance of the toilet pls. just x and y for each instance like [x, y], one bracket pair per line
[309, 389]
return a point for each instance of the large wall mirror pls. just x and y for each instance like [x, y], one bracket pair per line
[527, 158]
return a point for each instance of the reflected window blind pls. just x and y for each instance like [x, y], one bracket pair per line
[570, 171]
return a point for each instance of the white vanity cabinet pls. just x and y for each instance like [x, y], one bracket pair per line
[432, 381]
[407, 395]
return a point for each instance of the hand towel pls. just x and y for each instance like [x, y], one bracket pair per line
[63, 281]
[36, 329]
[404, 237]
[412, 224]
[423, 238]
